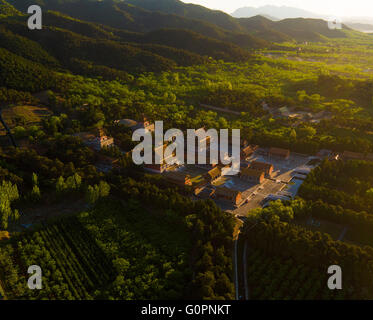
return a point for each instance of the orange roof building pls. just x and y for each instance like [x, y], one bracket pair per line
[178, 178]
[267, 168]
[248, 151]
[252, 176]
[96, 140]
[213, 174]
[230, 195]
[279, 153]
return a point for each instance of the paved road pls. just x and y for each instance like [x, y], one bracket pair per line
[267, 188]
[245, 271]
[236, 265]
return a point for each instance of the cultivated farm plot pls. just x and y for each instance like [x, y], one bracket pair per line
[23, 116]
[74, 265]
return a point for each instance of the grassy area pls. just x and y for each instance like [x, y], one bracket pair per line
[24, 116]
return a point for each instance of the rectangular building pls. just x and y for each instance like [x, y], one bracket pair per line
[213, 175]
[248, 151]
[348, 155]
[233, 196]
[279, 153]
[267, 168]
[178, 178]
[252, 176]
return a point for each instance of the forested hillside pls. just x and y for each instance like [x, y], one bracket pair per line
[103, 228]
[149, 15]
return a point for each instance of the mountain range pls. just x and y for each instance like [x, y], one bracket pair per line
[111, 38]
[276, 12]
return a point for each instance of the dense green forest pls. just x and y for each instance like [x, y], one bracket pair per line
[313, 253]
[129, 235]
[336, 194]
[120, 249]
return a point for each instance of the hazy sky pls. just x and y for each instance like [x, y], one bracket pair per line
[330, 7]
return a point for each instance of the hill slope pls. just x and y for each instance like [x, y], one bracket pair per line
[190, 11]
[125, 16]
[150, 15]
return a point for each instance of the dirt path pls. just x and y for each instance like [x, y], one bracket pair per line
[39, 214]
[206, 106]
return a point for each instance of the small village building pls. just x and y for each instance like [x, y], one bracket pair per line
[97, 140]
[213, 175]
[284, 112]
[279, 153]
[267, 168]
[200, 187]
[156, 168]
[252, 176]
[165, 162]
[233, 196]
[248, 151]
[244, 143]
[209, 165]
[206, 193]
[348, 155]
[134, 125]
[178, 178]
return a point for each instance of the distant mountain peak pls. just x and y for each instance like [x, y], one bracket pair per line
[276, 12]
